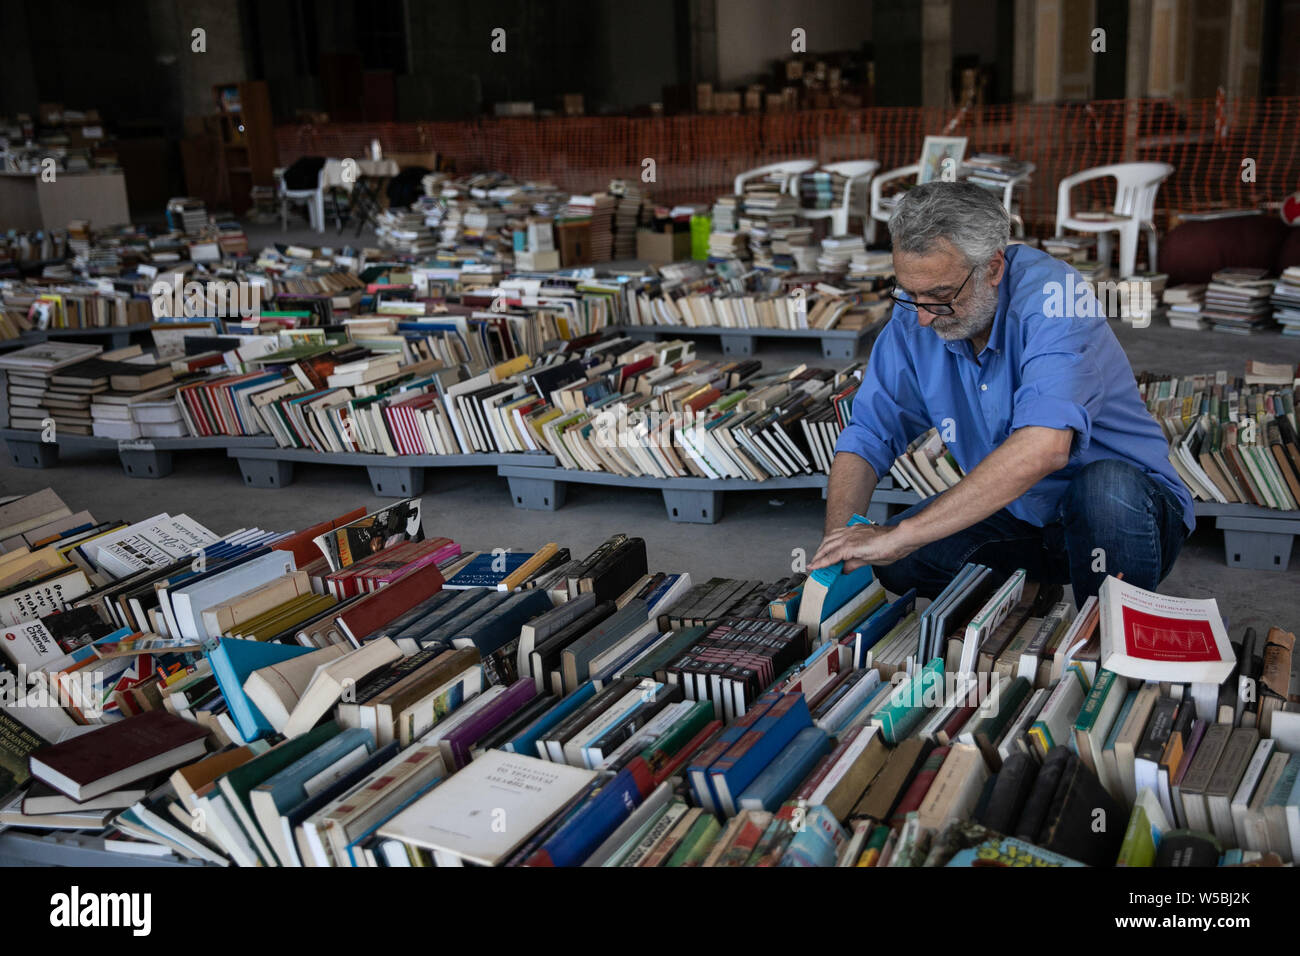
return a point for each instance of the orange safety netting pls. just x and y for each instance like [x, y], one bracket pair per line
[697, 156]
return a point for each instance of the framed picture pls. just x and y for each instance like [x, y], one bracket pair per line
[935, 151]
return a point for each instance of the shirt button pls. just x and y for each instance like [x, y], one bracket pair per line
[984, 388]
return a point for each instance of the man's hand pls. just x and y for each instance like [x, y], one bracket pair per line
[862, 544]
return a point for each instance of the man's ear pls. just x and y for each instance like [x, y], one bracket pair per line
[997, 267]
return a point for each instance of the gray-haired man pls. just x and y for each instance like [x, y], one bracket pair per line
[1067, 475]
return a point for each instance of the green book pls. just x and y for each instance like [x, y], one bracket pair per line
[909, 702]
[699, 839]
[1145, 826]
[236, 785]
[664, 654]
[1092, 705]
[678, 735]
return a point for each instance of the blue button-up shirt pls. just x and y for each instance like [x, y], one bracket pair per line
[1035, 370]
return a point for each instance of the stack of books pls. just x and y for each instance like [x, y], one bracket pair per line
[627, 215]
[839, 252]
[1285, 301]
[405, 231]
[41, 396]
[724, 214]
[1073, 249]
[1236, 301]
[355, 694]
[1184, 304]
[1231, 438]
[821, 189]
[187, 214]
[599, 208]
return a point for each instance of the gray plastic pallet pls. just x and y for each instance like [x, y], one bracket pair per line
[141, 458]
[64, 848]
[1258, 539]
[691, 500]
[391, 476]
[835, 343]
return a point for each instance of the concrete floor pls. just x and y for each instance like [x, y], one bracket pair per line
[755, 538]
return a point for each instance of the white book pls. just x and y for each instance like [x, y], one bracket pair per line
[44, 598]
[451, 818]
[162, 542]
[188, 602]
[1156, 637]
[1246, 789]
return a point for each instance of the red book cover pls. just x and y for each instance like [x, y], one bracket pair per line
[915, 794]
[1157, 638]
[303, 544]
[112, 749]
[371, 613]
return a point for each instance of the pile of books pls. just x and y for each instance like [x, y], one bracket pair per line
[993, 170]
[724, 214]
[599, 209]
[40, 397]
[1236, 301]
[1184, 304]
[839, 252]
[821, 189]
[627, 215]
[187, 214]
[870, 267]
[356, 693]
[927, 467]
[1285, 301]
[1232, 439]
[405, 232]
[1073, 249]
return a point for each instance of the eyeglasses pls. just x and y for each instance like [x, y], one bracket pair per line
[934, 308]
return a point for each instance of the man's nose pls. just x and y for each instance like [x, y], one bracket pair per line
[924, 317]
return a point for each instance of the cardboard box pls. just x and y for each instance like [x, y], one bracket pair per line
[571, 104]
[704, 97]
[546, 261]
[574, 240]
[662, 247]
[726, 102]
[753, 100]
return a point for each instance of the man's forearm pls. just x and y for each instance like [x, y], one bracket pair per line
[851, 485]
[1019, 463]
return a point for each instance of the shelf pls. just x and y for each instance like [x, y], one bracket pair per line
[836, 343]
[140, 457]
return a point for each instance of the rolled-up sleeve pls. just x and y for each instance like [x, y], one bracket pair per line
[1060, 384]
[887, 410]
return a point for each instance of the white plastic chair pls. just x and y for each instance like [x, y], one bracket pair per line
[1136, 185]
[858, 172]
[880, 212]
[791, 168]
[330, 175]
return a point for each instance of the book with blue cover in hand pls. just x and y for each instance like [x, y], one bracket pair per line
[828, 589]
[232, 661]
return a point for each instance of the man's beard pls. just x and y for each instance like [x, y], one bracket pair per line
[977, 320]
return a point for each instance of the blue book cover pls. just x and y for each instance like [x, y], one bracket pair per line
[782, 776]
[698, 772]
[729, 776]
[528, 740]
[232, 661]
[880, 624]
[595, 821]
[501, 625]
[488, 570]
[457, 603]
[819, 841]
[287, 788]
[840, 586]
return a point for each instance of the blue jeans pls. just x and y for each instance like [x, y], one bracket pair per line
[1113, 519]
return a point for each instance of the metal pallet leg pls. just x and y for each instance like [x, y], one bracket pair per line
[695, 507]
[33, 454]
[839, 348]
[537, 494]
[146, 464]
[737, 344]
[1260, 544]
[266, 473]
[391, 481]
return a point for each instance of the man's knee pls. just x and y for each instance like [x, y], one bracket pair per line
[1108, 486]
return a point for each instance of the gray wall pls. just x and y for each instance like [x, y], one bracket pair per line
[753, 33]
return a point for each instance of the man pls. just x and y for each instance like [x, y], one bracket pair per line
[1067, 474]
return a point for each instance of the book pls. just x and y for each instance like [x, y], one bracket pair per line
[118, 754]
[1152, 636]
